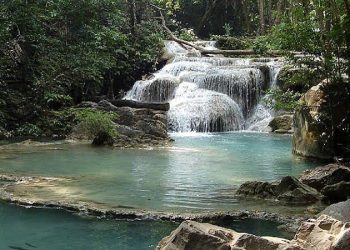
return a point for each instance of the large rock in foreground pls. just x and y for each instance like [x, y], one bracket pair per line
[325, 233]
[288, 190]
[321, 124]
[198, 236]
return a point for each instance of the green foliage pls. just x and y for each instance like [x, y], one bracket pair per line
[298, 36]
[228, 29]
[187, 35]
[282, 100]
[54, 54]
[230, 42]
[56, 101]
[91, 122]
[261, 44]
[298, 79]
[28, 130]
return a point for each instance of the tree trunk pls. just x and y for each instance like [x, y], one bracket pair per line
[245, 14]
[261, 16]
[347, 35]
[133, 104]
[278, 12]
[132, 14]
[211, 4]
[110, 93]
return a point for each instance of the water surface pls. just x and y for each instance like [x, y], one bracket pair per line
[23, 228]
[199, 172]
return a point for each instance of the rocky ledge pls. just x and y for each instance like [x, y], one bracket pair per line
[324, 233]
[289, 190]
[329, 184]
[136, 127]
[53, 192]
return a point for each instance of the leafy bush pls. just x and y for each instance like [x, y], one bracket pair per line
[298, 79]
[261, 44]
[29, 129]
[92, 122]
[187, 35]
[282, 100]
[56, 101]
[230, 42]
[298, 36]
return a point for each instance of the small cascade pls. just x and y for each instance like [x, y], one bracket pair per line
[159, 89]
[211, 94]
[201, 110]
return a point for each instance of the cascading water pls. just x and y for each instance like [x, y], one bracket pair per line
[211, 94]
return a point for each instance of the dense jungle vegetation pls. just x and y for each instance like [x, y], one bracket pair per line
[56, 53]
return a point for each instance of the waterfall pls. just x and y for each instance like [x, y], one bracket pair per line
[210, 94]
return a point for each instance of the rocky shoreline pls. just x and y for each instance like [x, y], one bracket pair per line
[323, 233]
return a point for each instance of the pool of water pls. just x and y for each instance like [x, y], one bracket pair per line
[25, 229]
[199, 172]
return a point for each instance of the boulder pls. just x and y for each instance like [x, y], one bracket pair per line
[288, 190]
[322, 176]
[324, 233]
[282, 124]
[321, 122]
[336, 192]
[197, 236]
[339, 211]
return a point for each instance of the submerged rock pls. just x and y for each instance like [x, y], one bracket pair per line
[288, 190]
[322, 176]
[324, 233]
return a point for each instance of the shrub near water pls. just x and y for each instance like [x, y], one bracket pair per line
[91, 122]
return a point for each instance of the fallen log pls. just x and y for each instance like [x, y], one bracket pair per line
[205, 51]
[164, 106]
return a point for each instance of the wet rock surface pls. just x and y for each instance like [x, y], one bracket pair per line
[324, 233]
[288, 190]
